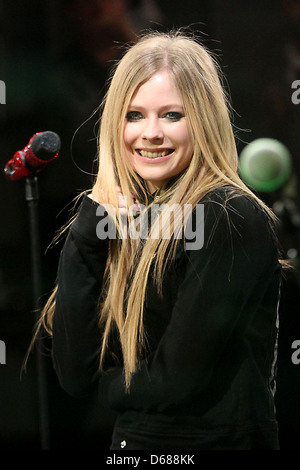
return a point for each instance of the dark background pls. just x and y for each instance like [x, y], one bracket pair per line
[54, 59]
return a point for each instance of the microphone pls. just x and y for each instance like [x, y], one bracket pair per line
[42, 148]
[265, 164]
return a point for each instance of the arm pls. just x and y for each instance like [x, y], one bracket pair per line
[76, 336]
[222, 288]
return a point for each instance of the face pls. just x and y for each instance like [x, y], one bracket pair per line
[156, 134]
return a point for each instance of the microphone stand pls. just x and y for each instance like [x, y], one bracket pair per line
[32, 198]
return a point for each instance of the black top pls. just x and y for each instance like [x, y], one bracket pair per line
[208, 381]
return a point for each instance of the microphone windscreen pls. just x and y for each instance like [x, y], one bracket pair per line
[265, 164]
[45, 145]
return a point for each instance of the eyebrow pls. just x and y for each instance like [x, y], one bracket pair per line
[138, 107]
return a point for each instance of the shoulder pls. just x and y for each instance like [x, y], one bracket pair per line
[84, 225]
[226, 196]
[232, 213]
[234, 204]
[235, 231]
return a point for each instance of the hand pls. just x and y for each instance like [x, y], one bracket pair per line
[121, 201]
[134, 208]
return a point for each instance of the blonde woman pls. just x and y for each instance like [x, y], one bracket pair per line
[168, 281]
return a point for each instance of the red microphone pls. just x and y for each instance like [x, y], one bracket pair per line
[42, 148]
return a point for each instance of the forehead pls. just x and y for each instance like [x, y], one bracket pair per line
[159, 88]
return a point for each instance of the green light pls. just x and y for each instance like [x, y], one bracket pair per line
[265, 164]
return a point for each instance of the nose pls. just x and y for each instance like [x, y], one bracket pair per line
[153, 130]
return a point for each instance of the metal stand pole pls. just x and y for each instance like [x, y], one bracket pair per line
[32, 198]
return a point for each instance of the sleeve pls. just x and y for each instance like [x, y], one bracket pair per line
[223, 285]
[76, 336]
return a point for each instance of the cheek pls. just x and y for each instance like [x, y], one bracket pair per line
[187, 151]
[186, 142]
[129, 135]
[182, 135]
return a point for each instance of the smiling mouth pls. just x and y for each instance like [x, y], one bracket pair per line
[157, 154]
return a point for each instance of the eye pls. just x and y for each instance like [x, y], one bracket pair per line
[132, 116]
[173, 116]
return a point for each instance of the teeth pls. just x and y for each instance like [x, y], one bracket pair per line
[144, 153]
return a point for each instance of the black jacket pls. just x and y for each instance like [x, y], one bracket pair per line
[208, 381]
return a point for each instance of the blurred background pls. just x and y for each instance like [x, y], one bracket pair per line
[54, 59]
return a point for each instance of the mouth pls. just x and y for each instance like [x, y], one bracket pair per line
[159, 153]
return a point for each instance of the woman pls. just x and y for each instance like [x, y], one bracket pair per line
[179, 337]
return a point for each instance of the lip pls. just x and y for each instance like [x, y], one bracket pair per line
[157, 159]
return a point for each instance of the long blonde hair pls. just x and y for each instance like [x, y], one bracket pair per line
[214, 164]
